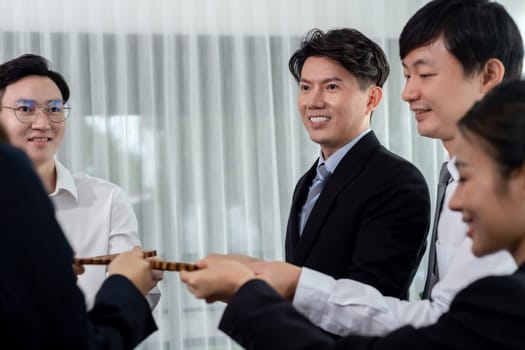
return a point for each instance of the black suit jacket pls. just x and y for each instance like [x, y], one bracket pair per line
[488, 314]
[369, 223]
[41, 306]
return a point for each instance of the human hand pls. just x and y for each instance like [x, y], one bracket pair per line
[158, 275]
[78, 269]
[133, 266]
[283, 277]
[218, 278]
[243, 259]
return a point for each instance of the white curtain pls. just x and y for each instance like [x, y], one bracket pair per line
[189, 106]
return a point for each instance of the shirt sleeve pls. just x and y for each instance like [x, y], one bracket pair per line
[257, 317]
[346, 307]
[124, 235]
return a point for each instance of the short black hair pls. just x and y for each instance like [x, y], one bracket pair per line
[474, 31]
[3, 135]
[26, 65]
[354, 51]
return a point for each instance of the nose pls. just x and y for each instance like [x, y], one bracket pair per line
[411, 90]
[40, 121]
[315, 99]
[456, 201]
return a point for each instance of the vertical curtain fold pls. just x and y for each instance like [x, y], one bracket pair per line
[189, 106]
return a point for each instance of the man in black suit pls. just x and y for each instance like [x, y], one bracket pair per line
[360, 212]
[488, 314]
[41, 306]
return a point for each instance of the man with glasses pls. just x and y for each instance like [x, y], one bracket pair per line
[94, 214]
[41, 306]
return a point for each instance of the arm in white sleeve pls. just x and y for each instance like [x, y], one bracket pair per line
[346, 307]
[124, 234]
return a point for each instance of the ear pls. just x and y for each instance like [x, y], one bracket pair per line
[375, 94]
[516, 183]
[492, 74]
[521, 174]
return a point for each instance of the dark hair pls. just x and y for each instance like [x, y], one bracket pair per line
[474, 31]
[498, 121]
[355, 52]
[26, 65]
[3, 135]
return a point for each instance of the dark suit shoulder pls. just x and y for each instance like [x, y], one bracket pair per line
[487, 314]
[503, 293]
[396, 165]
[378, 165]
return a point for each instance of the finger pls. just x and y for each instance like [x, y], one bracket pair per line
[203, 263]
[137, 251]
[78, 269]
[157, 275]
[184, 275]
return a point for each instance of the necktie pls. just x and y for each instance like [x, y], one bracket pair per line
[432, 271]
[315, 190]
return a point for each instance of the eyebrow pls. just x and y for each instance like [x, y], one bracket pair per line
[324, 81]
[419, 62]
[30, 101]
[460, 164]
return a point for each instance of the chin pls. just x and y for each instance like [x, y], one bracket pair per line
[426, 132]
[318, 140]
[479, 250]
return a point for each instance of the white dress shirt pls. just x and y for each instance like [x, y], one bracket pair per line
[330, 165]
[97, 219]
[348, 307]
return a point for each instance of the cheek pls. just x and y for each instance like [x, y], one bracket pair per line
[301, 103]
[497, 227]
[15, 132]
[59, 132]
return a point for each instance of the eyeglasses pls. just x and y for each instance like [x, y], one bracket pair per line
[26, 111]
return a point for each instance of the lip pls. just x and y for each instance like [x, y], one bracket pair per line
[470, 232]
[470, 228]
[39, 139]
[420, 113]
[318, 120]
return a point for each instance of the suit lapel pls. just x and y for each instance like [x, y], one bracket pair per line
[348, 169]
[298, 199]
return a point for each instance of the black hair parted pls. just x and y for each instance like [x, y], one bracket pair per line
[498, 121]
[354, 51]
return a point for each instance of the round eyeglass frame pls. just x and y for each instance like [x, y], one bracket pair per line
[66, 112]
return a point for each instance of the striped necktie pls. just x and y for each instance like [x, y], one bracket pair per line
[432, 271]
[313, 194]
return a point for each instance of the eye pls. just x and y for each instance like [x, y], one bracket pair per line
[423, 76]
[406, 76]
[331, 86]
[25, 109]
[54, 106]
[304, 87]
[54, 109]
[462, 179]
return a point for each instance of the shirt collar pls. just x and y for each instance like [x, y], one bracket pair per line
[451, 166]
[65, 181]
[333, 161]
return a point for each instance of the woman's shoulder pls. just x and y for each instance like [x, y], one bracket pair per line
[495, 291]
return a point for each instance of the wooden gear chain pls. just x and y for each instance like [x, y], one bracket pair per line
[155, 264]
